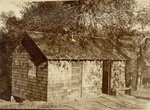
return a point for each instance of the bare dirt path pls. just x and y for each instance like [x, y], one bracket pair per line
[104, 102]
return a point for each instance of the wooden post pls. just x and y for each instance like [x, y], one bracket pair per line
[81, 79]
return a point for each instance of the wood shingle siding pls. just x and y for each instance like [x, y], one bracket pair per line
[75, 79]
[92, 78]
[25, 87]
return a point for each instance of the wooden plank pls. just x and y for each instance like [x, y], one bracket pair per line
[81, 74]
[122, 89]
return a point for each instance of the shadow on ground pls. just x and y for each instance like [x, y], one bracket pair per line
[143, 93]
[144, 98]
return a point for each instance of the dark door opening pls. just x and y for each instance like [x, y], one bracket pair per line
[106, 77]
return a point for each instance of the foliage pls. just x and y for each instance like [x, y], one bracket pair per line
[111, 18]
[143, 18]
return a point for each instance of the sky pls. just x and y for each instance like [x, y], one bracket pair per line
[15, 5]
[143, 3]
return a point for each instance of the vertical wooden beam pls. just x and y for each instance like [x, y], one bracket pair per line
[81, 79]
[125, 74]
[109, 77]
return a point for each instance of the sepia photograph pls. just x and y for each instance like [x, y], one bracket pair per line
[75, 54]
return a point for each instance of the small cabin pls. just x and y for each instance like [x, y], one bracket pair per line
[47, 67]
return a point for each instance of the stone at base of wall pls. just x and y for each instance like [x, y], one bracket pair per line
[16, 99]
[117, 91]
[12, 99]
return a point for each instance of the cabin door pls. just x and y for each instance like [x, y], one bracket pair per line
[76, 79]
[106, 77]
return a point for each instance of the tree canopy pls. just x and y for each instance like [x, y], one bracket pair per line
[90, 17]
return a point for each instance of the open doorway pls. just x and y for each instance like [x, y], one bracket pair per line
[106, 77]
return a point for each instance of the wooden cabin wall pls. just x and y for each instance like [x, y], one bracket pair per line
[92, 78]
[59, 80]
[74, 79]
[25, 86]
[118, 74]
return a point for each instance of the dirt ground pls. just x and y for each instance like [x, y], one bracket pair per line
[104, 102]
[143, 93]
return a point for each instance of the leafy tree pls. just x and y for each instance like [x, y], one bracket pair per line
[143, 18]
[8, 41]
[143, 21]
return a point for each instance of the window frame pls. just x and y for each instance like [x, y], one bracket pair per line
[32, 69]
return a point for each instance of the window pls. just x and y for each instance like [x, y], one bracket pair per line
[31, 69]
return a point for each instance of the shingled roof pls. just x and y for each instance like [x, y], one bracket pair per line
[78, 48]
